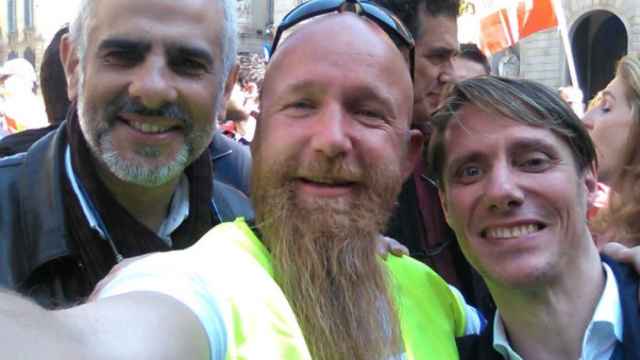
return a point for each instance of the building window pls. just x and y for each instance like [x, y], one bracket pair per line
[11, 12]
[28, 14]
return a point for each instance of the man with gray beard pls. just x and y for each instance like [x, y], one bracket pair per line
[127, 173]
[331, 151]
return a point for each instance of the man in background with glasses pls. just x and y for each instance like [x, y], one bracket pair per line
[332, 149]
[418, 221]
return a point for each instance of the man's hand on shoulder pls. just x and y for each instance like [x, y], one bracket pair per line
[386, 245]
[623, 254]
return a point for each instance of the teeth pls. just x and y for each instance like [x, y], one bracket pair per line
[516, 231]
[149, 128]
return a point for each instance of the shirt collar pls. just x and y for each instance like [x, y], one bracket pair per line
[178, 211]
[604, 329]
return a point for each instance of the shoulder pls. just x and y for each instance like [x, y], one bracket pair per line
[426, 305]
[12, 161]
[230, 203]
[406, 271]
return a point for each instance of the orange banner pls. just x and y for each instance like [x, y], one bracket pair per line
[508, 22]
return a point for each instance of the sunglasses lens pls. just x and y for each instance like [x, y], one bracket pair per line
[389, 20]
[314, 8]
[308, 10]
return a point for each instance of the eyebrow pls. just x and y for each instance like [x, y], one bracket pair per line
[144, 46]
[363, 93]
[355, 94]
[190, 51]
[523, 145]
[518, 146]
[301, 87]
[475, 156]
[139, 46]
[440, 50]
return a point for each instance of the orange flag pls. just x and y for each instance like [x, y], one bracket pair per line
[503, 23]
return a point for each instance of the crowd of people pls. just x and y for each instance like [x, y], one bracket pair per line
[139, 225]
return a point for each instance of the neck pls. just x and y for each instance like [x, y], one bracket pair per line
[554, 323]
[147, 204]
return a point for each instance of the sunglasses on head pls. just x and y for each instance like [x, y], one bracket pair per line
[379, 15]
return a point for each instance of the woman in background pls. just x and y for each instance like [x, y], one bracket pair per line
[614, 124]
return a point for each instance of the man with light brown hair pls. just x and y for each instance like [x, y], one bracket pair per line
[516, 170]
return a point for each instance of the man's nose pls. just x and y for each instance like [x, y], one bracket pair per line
[152, 84]
[331, 133]
[502, 191]
[447, 74]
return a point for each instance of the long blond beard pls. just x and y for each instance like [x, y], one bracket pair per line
[326, 264]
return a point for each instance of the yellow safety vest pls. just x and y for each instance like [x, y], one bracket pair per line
[261, 324]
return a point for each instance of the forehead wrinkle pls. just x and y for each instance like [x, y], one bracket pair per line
[142, 23]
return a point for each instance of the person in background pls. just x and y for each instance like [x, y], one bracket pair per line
[21, 108]
[418, 221]
[231, 159]
[470, 62]
[53, 86]
[614, 124]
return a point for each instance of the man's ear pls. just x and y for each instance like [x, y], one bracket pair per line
[70, 63]
[590, 179]
[443, 203]
[232, 79]
[414, 152]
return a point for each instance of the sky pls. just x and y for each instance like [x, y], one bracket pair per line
[53, 15]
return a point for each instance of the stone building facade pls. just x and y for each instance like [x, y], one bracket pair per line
[255, 20]
[19, 36]
[600, 32]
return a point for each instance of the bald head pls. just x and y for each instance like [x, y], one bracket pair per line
[345, 45]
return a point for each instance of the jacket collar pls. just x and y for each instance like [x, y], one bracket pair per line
[219, 148]
[41, 205]
[628, 284]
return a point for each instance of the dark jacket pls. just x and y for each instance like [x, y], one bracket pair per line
[481, 347]
[21, 141]
[231, 162]
[37, 256]
[417, 220]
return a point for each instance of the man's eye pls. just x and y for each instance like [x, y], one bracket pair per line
[467, 174]
[121, 58]
[301, 104]
[369, 114]
[439, 58]
[189, 66]
[535, 163]
[299, 108]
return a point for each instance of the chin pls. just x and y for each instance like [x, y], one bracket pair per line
[520, 275]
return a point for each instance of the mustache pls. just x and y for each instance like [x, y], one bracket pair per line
[324, 169]
[126, 104]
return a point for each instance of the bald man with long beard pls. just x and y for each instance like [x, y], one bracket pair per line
[331, 151]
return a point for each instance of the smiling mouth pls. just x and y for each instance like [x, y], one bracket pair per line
[327, 182]
[511, 231]
[151, 128]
